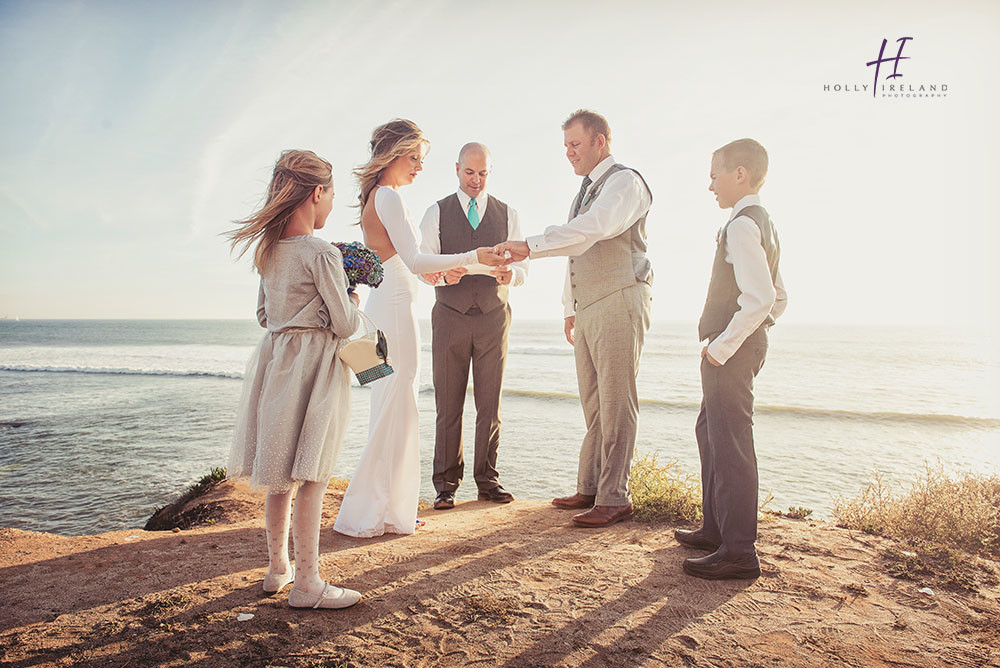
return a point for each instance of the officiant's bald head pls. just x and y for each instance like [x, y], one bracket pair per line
[473, 168]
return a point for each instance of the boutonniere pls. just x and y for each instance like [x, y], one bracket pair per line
[590, 196]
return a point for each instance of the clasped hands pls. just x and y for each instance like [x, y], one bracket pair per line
[498, 257]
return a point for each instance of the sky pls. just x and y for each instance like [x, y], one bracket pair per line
[133, 134]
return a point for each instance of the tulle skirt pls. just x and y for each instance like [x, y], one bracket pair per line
[292, 412]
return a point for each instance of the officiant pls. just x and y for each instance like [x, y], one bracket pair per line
[470, 322]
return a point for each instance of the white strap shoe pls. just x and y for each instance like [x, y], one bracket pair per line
[275, 582]
[332, 598]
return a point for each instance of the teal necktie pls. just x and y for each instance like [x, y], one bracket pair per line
[473, 213]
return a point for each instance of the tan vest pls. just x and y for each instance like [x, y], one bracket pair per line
[612, 264]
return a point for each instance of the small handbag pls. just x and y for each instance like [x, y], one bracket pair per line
[367, 355]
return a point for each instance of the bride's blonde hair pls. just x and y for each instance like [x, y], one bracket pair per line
[389, 141]
[295, 177]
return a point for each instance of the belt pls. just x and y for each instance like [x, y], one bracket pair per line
[300, 330]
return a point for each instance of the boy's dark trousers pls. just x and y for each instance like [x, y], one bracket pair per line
[725, 444]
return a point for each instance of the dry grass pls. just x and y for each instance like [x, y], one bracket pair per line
[490, 610]
[950, 568]
[339, 484]
[940, 518]
[664, 491]
[961, 512]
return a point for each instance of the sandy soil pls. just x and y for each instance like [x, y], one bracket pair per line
[481, 585]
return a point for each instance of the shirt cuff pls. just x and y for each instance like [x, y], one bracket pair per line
[719, 351]
[535, 247]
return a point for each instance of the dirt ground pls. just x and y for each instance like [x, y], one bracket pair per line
[480, 585]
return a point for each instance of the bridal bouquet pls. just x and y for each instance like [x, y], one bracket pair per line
[361, 264]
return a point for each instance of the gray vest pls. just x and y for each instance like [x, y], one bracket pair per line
[721, 303]
[612, 264]
[457, 236]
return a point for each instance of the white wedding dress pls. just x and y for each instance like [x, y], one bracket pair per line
[383, 494]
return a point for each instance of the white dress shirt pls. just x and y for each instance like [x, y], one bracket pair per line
[623, 200]
[758, 295]
[430, 232]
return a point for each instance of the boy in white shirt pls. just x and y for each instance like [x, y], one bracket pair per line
[745, 295]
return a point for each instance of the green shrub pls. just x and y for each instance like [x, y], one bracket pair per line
[798, 512]
[664, 491]
[218, 474]
[172, 516]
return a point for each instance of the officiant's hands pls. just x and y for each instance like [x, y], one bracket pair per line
[504, 275]
[512, 251]
[453, 276]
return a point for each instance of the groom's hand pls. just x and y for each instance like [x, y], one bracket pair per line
[568, 328]
[711, 360]
[518, 250]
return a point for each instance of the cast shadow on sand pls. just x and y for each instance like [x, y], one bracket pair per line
[403, 584]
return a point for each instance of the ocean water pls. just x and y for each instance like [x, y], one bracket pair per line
[101, 421]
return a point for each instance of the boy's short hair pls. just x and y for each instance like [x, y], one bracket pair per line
[593, 123]
[746, 153]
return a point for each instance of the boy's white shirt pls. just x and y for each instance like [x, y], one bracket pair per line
[758, 295]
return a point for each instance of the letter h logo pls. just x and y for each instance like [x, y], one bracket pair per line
[881, 59]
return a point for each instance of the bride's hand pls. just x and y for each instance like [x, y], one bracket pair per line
[487, 256]
[433, 277]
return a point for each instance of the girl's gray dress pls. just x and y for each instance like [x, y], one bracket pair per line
[294, 404]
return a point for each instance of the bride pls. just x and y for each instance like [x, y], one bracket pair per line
[383, 493]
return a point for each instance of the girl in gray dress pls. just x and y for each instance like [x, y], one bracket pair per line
[294, 405]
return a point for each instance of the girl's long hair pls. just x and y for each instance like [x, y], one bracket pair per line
[295, 177]
[389, 141]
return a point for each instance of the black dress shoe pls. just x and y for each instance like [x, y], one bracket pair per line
[497, 495]
[715, 567]
[694, 538]
[444, 501]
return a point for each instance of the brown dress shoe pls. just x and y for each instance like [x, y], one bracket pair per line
[574, 502]
[602, 516]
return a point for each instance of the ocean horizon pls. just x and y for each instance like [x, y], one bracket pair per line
[103, 420]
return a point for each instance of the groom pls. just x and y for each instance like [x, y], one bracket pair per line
[607, 305]
[470, 321]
